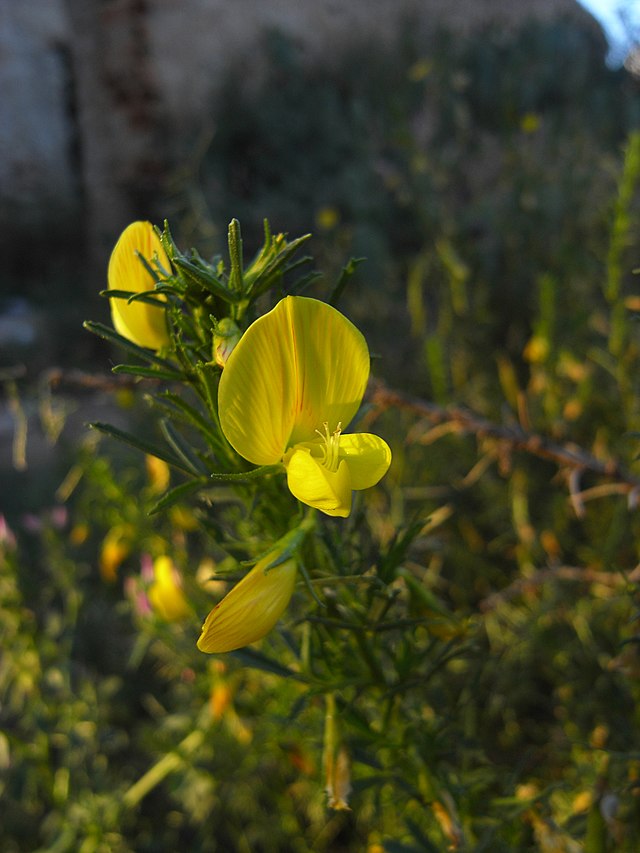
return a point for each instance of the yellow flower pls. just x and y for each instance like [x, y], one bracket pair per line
[158, 472]
[143, 324]
[252, 608]
[291, 386]
[165, 593]
[116, 547]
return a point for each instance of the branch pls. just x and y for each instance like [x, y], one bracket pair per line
[57, 377]
[613, 580]
[572, 459]
[566, 456]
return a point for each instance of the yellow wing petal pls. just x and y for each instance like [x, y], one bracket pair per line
[295, 368]
[143, 324]
[315, 485]
[251, 609]
[368, 457]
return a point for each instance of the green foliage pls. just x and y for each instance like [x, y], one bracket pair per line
[463, 650]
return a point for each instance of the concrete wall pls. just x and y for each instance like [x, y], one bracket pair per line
[97, 95]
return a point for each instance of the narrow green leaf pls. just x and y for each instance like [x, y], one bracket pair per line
[273, 270]
[203, 278]
[135, 296]
[246, 476]
[154, 272]
[189, 414]
[149, 372]
[140, 444]
[175, 495]
[346, 274]
[182, 449]
[305, 282]
[109, 334]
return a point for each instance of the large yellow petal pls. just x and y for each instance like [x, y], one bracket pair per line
[332, 365]
[251, 609]
[368, 457]
[145, 325]
[317, 486]
[295, 368]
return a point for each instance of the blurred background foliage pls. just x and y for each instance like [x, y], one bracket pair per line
[481, 672]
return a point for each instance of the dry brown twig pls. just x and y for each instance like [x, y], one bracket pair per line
[576, 574]
[572, 460]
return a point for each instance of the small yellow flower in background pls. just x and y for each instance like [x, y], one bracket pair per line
[158, 473]
[420, 70]
[530, 123]
[327, 218]
[116, 547]
[292, 385]
[143, 324]
[536, 349]
[446, 814]
[252, 608]
[79, 534]
[165, 593]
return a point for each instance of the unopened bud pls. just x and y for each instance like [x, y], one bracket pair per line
[225, 338]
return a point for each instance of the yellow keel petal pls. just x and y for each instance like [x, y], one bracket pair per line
[315, 485]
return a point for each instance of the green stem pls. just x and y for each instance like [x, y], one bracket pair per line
[168, 764]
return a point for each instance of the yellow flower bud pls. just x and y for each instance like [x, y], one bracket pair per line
[252, 608]
[226, 336]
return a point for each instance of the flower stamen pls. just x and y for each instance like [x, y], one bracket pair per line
[331, 446]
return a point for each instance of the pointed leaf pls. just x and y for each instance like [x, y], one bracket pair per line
[177, 494]
[108, 334]
[149, 372]
[140, 444]
[182, 449]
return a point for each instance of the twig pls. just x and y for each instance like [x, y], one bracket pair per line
[561, 573]
[570, 457]
[56, 377]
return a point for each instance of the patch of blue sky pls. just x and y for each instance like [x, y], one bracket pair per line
[620, 20]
